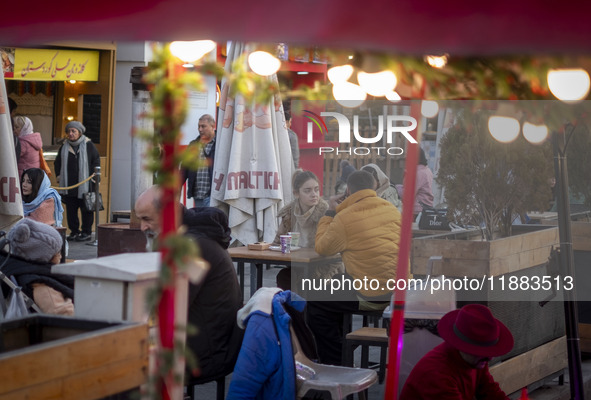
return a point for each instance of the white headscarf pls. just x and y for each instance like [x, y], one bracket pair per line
[25, 124]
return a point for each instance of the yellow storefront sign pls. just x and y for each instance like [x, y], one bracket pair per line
[55, 65]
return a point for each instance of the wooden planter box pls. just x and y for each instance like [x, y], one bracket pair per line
[465, 254]
[545, 360]
[581, 235]
[48, 357]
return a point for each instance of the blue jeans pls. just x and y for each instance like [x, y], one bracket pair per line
[202, 202]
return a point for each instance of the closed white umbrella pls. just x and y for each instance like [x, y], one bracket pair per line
[11, 203]
[253, 164]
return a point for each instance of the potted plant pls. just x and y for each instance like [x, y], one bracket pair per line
[488, 183]
[491, 185]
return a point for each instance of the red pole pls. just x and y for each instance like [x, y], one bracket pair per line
[397, 322]
[166, 304]
[168, 223]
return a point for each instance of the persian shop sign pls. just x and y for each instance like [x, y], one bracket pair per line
[50, 64]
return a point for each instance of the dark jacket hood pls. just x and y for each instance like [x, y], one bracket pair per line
[208, 222]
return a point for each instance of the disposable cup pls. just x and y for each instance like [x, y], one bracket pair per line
[295, 238]
[285, 243]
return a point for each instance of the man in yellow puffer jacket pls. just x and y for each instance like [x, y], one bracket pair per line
[365, 229]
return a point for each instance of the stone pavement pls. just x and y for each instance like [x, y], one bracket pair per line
[550, 390]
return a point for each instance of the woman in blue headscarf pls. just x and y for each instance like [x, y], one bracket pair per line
[40, 201]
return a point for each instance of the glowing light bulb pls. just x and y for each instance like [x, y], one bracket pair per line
[340, 73]
[263, 63]
[535, 133]
[437, 61]
[429, 108]
[393, 96]
[503, 129]
[348, 94]
[72, 81]
[569, 85]
[71, 99]
[70, 118]
[377, 84]
[191, 51]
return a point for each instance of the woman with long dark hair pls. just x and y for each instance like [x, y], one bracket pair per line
[40, 201]
[302, 215]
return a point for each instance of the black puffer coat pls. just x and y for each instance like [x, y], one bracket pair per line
[214, 303]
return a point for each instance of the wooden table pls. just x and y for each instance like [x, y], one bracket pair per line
[304, 257]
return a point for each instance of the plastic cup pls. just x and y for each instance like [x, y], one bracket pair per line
[295, 238]
[285, 243]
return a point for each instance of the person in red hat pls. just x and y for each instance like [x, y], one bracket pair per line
[458, 368]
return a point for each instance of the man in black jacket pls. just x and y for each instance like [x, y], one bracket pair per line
[214, 302]
[199, 181]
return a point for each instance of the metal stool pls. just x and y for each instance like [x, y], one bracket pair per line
[368, 317]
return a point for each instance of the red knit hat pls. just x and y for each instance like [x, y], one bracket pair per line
[474, 330]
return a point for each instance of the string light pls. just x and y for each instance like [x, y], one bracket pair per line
[393, 96]
[377, 84]
[429, 108]
[503, 129]
[263, 63]
[191, 51]
[437, 61]
[569, 85]
[535, 134]
[340, 73]
[348, 94]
